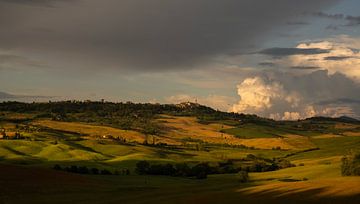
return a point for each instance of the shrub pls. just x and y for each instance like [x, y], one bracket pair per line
[142, 167]
[83, 170]
[105, 172]
[283, 163]
[73, 169]
[162, 169]
[200, 171]
[351, 164]
[243, 176]
[57, 167]
[95, 171]
[182, 170]
[201, 175]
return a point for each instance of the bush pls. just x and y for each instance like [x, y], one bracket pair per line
[73, 169]
[161, 169]
[283, 163]
[95, 171]
[201, 175]
[182, 170]
[57, 167]
[243, 176]
[105, 172]
[142, 167]
[351, 164]
[83, 170]
[200, 171]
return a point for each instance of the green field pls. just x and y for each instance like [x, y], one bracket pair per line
[315, 147]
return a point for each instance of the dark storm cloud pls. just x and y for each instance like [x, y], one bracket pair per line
[46, 3]
[351, 20]
[283, 52]
[330, 16]
[267, 64]
[337, 58]
[143, 34]
[295, 23]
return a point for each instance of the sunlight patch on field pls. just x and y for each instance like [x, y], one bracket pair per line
[344, 186]
[325, 136]
[354, 134]
[299, 142]
[321, 174]
[188, 129]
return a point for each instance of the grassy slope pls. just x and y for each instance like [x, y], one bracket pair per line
[321, 168]
[49, 186]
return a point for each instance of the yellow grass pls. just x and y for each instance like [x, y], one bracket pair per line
[326, 136]
[182, 128]
[357, 134]
[329, 187]
[91, 130]
[322, 174]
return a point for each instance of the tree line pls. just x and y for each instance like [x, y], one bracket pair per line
[202, 170]
[93, 171]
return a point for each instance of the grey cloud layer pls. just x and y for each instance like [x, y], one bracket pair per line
[142, 34]
[283, 52]
[351, 20]
[46, 3]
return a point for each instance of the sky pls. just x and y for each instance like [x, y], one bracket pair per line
[281, 59]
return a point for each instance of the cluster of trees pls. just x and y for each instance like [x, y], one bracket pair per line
[351, 164]
[134, 116]
[201, 170]
[86, 170]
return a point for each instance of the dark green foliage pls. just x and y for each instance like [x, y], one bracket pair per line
[84, 170]
[243, 176]
[142, 167]
[105, 172]
[73, 169]
[182, 170]
[162, 169]
[128, 116]
[94, 171]
[283, 163]
[57, 167]
[260, 164]
[351, 164]
[200, 171]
